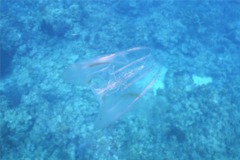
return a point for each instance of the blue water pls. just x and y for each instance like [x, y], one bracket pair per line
[196, 115]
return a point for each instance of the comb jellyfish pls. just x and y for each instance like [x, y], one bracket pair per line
[119, 80]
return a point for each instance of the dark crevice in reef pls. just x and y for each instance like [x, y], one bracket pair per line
[176, 133]
[6, 56]
[56, 29]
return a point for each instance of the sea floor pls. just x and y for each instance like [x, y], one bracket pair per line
[195, 116]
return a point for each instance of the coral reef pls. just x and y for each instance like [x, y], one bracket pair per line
[42, 117]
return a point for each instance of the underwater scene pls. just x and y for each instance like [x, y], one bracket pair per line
[119, 80]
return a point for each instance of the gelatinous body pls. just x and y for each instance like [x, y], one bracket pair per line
[119, 80]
